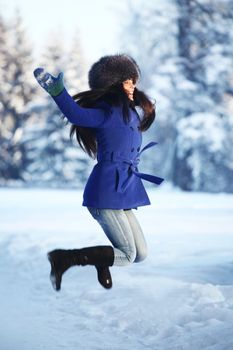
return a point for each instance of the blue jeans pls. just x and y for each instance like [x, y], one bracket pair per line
[124, 232]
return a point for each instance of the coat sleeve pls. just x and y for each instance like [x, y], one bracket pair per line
[85, 117]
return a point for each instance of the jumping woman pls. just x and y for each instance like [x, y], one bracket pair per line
[108, 128]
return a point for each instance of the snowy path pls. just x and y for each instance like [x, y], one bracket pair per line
[179, 298]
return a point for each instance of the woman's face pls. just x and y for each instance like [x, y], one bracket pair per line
[129, 86]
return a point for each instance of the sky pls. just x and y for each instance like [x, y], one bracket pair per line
[97, 21]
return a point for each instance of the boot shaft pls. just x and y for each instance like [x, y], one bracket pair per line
[97, 255]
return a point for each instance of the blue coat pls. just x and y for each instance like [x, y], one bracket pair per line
[115, 181]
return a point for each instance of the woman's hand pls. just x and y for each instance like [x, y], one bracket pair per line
[53, 85]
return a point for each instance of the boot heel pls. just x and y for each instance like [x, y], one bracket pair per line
[104, 276]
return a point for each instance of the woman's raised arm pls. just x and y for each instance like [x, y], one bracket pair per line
[85, 117]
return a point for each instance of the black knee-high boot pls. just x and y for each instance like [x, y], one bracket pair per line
[100, 256]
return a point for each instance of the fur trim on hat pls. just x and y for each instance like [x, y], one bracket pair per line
[112, 69]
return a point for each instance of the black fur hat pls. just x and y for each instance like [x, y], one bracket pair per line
[112, 69]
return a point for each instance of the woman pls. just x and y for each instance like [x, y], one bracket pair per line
[107, 127]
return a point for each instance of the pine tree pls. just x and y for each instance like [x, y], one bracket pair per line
[5, 120]
[16, 93]
[205, 51]
[45, 134]
[54, 160]
[189, 69]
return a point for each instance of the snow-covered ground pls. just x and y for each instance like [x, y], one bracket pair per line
[179, 298]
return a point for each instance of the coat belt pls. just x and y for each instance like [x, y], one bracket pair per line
[126, 175]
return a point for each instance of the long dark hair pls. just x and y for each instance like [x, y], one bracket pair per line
[114, 96]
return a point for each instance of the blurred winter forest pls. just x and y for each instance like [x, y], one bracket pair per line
[185, 51]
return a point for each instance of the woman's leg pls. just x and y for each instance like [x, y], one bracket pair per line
[139, 239]
[117, 228]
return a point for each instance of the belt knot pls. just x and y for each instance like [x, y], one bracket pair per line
[125, 176]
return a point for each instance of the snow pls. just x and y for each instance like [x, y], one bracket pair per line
[195, 129]
[180, 297]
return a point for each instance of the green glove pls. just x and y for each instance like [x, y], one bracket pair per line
[53, 85]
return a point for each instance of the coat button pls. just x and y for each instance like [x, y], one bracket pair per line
[132, 149]
[138, 149]
[131, 128]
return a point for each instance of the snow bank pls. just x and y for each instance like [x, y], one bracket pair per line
[180, 297]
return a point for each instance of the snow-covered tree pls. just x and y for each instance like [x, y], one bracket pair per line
[185, 50]
[53, 159]
[16, 93]
[205, 51]
[5, 121]
[148, 33]
[204, 152]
